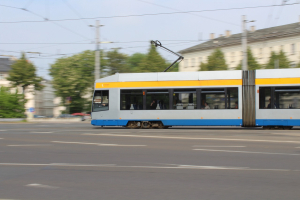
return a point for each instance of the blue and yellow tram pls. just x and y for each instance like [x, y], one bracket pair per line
[268, 98]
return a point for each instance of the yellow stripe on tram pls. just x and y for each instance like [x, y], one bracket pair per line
[168, 83]
[277, 81]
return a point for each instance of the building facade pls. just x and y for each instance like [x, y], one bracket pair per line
[43, 102]
[262, 42]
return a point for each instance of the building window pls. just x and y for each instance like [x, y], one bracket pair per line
[282, 47]
[293, 49]
[232, 57]
[186, 63]
[100, 101]
[261, 53]
[200, 60]
[193, 62]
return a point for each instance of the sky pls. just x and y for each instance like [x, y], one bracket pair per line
[51, 29]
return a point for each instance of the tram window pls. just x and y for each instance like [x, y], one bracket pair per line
[184, 99]
[232, 98]
[131, 99]
[287, 97]
[265, 98]
[215, 98]
[101, 101]
[157, 100]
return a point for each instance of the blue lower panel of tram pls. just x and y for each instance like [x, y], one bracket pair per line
[173, 122]
[278, 122]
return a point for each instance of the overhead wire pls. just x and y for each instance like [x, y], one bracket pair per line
[150, 14]
[279, 12]
[46, 20]
[188, 13]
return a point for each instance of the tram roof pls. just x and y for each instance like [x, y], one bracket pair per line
[173, 76]
[199, 75]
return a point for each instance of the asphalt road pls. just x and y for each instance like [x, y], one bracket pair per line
[78, 161]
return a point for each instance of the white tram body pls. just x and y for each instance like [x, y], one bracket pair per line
[204, 98]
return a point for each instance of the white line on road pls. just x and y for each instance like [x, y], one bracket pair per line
[28, 145]
[144, 167]
[220, 146]
[191, 138]
[247, 152]
[41, 186]
[41, 132]
[99, 144]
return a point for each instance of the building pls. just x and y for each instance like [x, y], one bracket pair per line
[5, 64]
[262, 42]
[43, 102]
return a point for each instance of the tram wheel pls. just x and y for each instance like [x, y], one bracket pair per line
[132, 125]
[146, 125]
[161, 125]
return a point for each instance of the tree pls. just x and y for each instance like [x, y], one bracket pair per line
[216, 61]
[203, 67]
[251, 62]
[23, 73]
[134, 62]
[73, 79]
[280, 58]
[11, 104]
[116, 62]
[153, 62]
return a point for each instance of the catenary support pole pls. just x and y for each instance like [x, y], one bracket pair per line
[97, 52]
[244, 43]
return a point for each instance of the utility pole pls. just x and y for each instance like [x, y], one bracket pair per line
[97, 52]
[244, 43]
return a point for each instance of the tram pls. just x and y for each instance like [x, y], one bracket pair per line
[267, 98]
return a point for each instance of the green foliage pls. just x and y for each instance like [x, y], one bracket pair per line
[203, 66]
[23, 73]
[281, 57]
[11, 104]
[116, 62]
[252, 64]
[74, 77]
[153, 62]
[216, 61]
[134, 61]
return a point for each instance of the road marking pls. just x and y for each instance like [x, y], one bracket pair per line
[247, 152]
[1, 138]
[28, 145]
[41, 132]
[220, 146]
[41, 186]
[99, 144]
[146, 167]
[191, 138]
